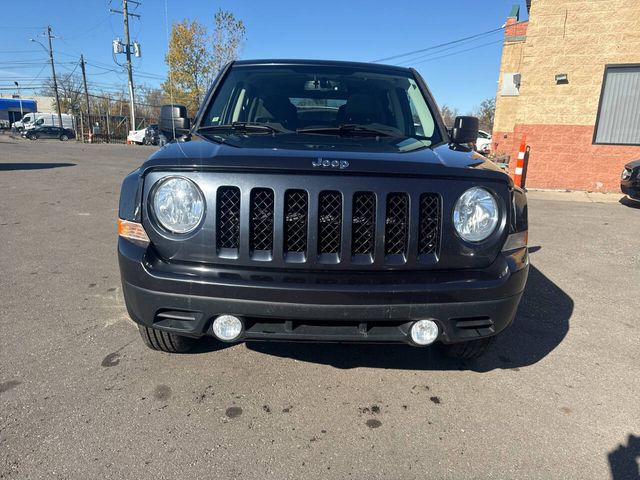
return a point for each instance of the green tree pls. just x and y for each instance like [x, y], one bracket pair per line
[195, 57]
[189, 63]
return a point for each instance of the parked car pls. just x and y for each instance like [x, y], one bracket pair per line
[151, 135]
[252, 225]
[63, 134]
[630, 180]
[483, 143]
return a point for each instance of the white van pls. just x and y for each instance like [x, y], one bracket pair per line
[50, 119]
[24, 121]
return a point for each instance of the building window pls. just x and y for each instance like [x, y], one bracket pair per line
[618, 120]
[510, 85]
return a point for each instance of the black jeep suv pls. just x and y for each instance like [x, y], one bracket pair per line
[321, 201]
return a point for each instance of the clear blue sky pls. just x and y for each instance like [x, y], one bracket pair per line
[333, 29]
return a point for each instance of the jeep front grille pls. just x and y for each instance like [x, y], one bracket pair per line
[327, 227]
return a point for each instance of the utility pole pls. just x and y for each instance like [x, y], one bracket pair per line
[53, 73]
[86, 92]
[118, 48]
[108, 128]
[132, 105]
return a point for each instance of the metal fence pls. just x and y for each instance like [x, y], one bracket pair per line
[105, 128]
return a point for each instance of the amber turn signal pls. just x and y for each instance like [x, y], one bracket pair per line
[132, 231]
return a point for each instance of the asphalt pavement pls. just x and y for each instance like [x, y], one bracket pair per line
[82, 397]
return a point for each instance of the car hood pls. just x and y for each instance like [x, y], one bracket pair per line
[441, 160]
[633, 165]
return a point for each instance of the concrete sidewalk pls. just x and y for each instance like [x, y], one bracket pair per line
[575, 196]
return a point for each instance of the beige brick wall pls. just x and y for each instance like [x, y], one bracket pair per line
[507, 107]
[576, 37]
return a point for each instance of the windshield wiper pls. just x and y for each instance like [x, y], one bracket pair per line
[349, 128]
[244, 127]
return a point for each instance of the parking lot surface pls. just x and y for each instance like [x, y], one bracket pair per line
[82, 397]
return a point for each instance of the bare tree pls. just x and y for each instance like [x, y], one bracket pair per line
[449, 114]
[71, 91]
[149, 101]
[228, 36]
[486, 113]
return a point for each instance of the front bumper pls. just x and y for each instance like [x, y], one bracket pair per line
[321, 306]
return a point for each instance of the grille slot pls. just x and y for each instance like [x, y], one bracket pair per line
[329, 222]
[296, 207]
[261, 238]
[363, 230]
[429, 234]
[396, 224]
[228, 215]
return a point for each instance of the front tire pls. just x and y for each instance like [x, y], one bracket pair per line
[165, 341]
[64, 137]
[33, 137]
[467, 350]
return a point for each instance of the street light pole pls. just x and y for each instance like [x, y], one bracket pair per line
[20, 99]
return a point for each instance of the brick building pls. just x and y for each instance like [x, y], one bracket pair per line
[570, 82]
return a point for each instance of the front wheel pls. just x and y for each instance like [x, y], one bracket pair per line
[33, 137]
[165, 341]
[467, 350]
[64, 138]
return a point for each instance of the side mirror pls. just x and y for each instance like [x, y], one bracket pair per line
[465, 130]
[174, 121]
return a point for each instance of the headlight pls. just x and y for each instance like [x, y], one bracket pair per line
[178, 204]
[626, 174]
[475, 215]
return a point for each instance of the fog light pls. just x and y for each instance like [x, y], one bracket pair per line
[227, 327]
[424, 332]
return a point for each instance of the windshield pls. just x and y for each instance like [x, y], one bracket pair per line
[315, 99]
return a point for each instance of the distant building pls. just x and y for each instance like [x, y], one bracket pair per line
[12, 107]
[570, 82]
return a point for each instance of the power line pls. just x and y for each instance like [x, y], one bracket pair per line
[91, 29]
[409, 61]
[460, 51]
[434, 47]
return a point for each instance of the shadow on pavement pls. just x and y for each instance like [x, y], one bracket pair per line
[209, 345]
[541, 324]
[628, 202]
[5, 167]
[623, 461]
